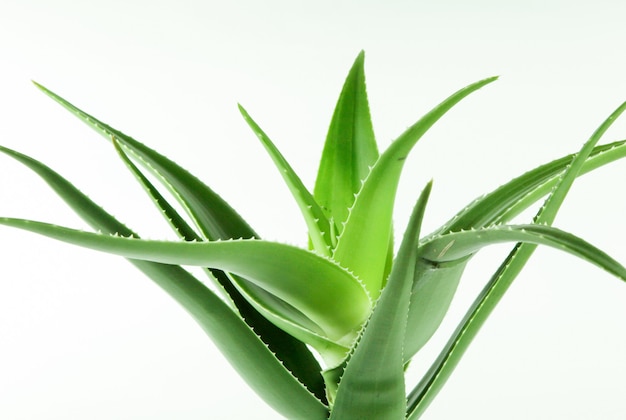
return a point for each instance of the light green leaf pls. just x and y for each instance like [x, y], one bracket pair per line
[372, 385]
[423, 394]
[245, 351]
[325, 292]
[459, 245]
[510, 199]
[434, 287]
[176, 221]
[279, 312]
[252, 359]
[213, 216]
[434, 291]
[350, 149]
[364, 243]
[215, 220]
[316, 221]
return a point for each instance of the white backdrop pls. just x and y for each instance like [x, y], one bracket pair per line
[85, 336]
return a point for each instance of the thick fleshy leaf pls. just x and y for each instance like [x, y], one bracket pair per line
[171, 215]
[372, 385]
[319, 229]
[363, 244]
[438, 283]
[280, 313]
[434, 291]
[459, 245]
[425, 391]
[325, 292]
[510, 199]
[256, 364]
[213, 216]
[434, 287]
[350, 149]
[215, 220]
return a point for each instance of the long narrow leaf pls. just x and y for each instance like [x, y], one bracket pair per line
[372, 385]
[254, 361]
[216, 220]
[435, 288]
[171, 215]
[294, 328]
[510, 199]
[459, 245]
[422, 395]
[349, 151]
[317, 223]
[321, 289]
[363, 245]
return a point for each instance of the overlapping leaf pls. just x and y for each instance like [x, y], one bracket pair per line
[422, 395]
[251, 357]
[372, 385]
[350, 149]
[364, 242]
[283, 315]
[215, 219]
[437, 283]
[320, 231]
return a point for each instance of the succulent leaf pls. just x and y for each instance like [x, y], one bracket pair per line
[364, 242]
[320, 231]
[372, 385]
[510, 199]
[349, 151]
[325, 292]
[365, 312]
[294, 328]
[255, 362]
[426, 390]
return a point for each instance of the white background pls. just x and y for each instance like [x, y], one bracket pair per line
[85, 336]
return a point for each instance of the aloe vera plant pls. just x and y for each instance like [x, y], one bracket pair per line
[328, 331]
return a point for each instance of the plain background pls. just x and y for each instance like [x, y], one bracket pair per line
[83, 335]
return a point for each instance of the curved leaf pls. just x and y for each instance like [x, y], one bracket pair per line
[216, 220]
[213, 216]
[372, 385]
[317, 223]
[363, 245]
[349, 151]
[425, 391]
[434, 287]
[256, 364]
[438, 283]
[510, 199]
[321, 289]
[282, 315]
[459, 245]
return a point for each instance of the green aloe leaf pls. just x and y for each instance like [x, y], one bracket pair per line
[215, 220]
[517, 195]
[436, 286]
[317, 223]
[254, 361]
[350, 149]
[372, 385]
[363, 245]
[325, 292]
[278, 312]
[459, 245]
[213, 216]
[171, 215]
[245, 351]
[430, 385]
